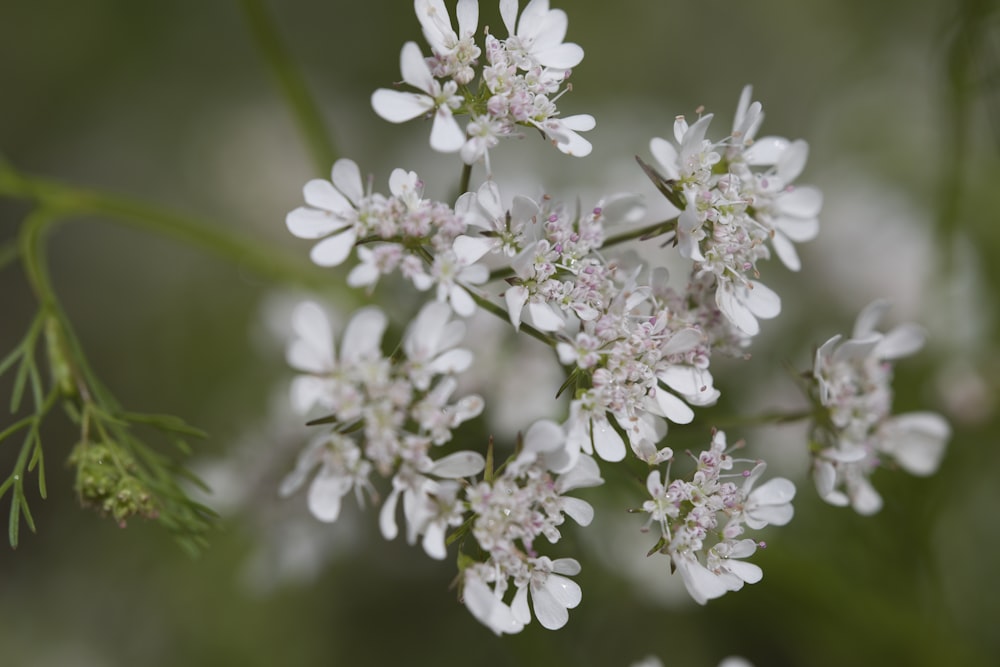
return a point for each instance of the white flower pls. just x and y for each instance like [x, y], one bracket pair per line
[769, 503]
[853, 378]
[398, 107]
[916, 440]
[437, 27]
[430, 345]
[332, 212]
[311, 351]
[552, 593]
[485, 210]
[744, 302]
[538, 37]
[487, 606]
[341, 468]
[563, 132]
[701, 583]
[452, 273]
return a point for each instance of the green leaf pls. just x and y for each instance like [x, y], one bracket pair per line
[19, 381]
[168, 423]
[9, 360]
[14, 523]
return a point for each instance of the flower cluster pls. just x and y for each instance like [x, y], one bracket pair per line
[518, 84]
[707, 552]
[858, 433]
[636, 351]
[523, 503]
[735, 195]
[401, 411]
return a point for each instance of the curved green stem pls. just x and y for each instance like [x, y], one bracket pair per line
[63, 201]
[293, 85]
[762, 419]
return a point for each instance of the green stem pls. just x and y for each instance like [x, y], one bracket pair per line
[63, 201]
[463, 181]
[762, 419]
[654, 229]
[293, 85]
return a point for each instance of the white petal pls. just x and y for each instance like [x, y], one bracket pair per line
[467, 12]
[623, 208]
[516, 297]
[452, 361]
[544, 436]
[824, 477]
[488, 609]
[325, 495]
[682, 341]
[773, 515]
[865, 499]
[685, 380]
[569, 566]
[584, 474]
[446, 135]
[333, 250]
[310, 223]
[607, 443]
[313, 351]
[733, 308]
[414, 68]
[666, 155]
[917, 441]
[461, 302]
[550, 613]
[346, 177]
[748, 572]
[695, 135]
[774, 492]
[508, 12]
[397, 106]
[459, 464]
[387, 515]
[869, 318]
[673, 408]
[307, 391]
[579, 510]
[797, 229]
[766, 151]
[701, 584]
[433, 541]
[786, 251]
[904, 340]
[363, 335]
[363, 275]
[543, 317]
[762, 300]
[793, 161]
[801, 202]
[322, 195]
[563, 56]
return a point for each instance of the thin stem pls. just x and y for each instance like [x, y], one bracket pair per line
[293, 85]
[63, 201]
[763, 418]
[463, 181]
[640, 233]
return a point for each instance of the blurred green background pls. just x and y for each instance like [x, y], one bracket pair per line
[173, 103]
